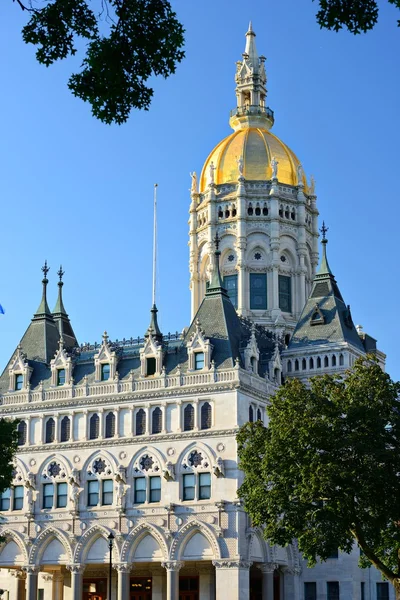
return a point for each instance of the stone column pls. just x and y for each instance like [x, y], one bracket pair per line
[206, 583]
[157, 576]
[173, 567]
[58, 586]
[232, 576]
[267, 571]
[76, 580]
[124, 572]
[101, 424]
[291, 583]
[31, 581]
[19, 589]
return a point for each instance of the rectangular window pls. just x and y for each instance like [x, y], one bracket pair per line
[285, 293]
[363, 590]
[310, 590]
[18, 502]
[48, 494]
[5, 500]
[204, 486]
[231, 286]
[93, 493]
[332, 590]
[258, 291]
[155, 489]
[60, 376]
[105, 372]
[140, 490]
[62, 495]
[19, 380]
[150, 365]
[189, 486]
[198, 361]
[107, 492]
[382, 591]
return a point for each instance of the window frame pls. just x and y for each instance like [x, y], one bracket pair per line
[61, 380]
[46, 496]
[260, 277]
[91, 484]
[198, 485]
[22, 430]
[5, 497]
[15, 498]
[18, 382]
[59, 484]
[197, 361]
[103, 375]
[329, 594]
[232, 291]
[149, 371]
[310, 586]
[136, 491]
[152, 480]
[283, 295]
[107, 494]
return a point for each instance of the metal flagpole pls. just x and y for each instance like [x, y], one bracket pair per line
[155, 243]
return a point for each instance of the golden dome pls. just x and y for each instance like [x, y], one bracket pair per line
[257, 146]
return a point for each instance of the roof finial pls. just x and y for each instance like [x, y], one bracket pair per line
[154, 245]
[324, 230]
[60, 273]
[250, 29]
[217, 241]
[324, 267]
[45, 270]
[43, 306]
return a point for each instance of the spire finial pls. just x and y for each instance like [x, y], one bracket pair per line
[60, 273]
[45, 270]
[250, 29]
[324, 230]
[324, 267]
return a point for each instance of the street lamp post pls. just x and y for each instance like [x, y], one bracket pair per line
[110, 545]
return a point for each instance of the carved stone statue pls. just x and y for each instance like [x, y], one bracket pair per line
[240, 165]
[219, 468]
[212, 169]
[75, 476]
[194, 188]
[30, 491]
[74, 494]
[312, 185]
[300, 174]
[120, 492]
[274, 167]
[169, 472]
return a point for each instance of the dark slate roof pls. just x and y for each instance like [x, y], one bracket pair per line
[325, 317]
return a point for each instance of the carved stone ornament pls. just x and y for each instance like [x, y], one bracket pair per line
[31, 569]
[173, 565]
[268, 567]
[123, 567]
[76, 568]
[232, 564]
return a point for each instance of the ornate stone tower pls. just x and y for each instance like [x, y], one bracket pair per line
[254, 193]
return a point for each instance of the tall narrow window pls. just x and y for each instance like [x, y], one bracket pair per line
[48, 495]
[110, 425]
[5, 500]
[231, 286]
[155, 489]
[382, 590]
[258, 291]
[93, 493]
[318, 362]
[22, 428]
[50, 430]
[341, 360]
[62, 494]
[189, 486]
[251, 414]
[150, 365]
[107, 492]
[19, 381]
[296, 365]
[188, 418]
[259, 417]
[18, 497]
[60, 376]
[156, 420]
[311, 363]
[333, 361]
[206, 416]
[326, 362]
[289, 366]
[304, 364]
[362, 590]
[310, 590]
[65, 429]
[285, 293]
[94, 425]
[105, 372]
[140, 422]
[140, 490]
[204, 486]
[332, 589]
[199, 361]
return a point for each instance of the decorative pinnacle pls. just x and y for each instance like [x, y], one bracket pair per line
[217, 241]
[60, 273]
[105, 337]
[45, 269]
[324, 230]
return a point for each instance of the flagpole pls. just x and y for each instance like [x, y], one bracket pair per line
[155, 243]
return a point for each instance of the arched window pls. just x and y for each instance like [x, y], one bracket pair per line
[289, 366]
[50, 430]
[110, 425]
[227, 214]
[156, 420]
[65, 429]
[265, 211]
[250, 211]
[296, 365]
[205, 416]
[333, 361]
[258, 211]
[311, 363]
[304, 364]
[94, 427]
[326, 361]
[22, 429]
[318, 362]
[233, 212]
[220, 213]
[259, 417]
[251, 414]
[281, 211]
[188, 418]
[341, 360]
[140, 422]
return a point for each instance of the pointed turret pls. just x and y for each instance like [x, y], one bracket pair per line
[153, 329]
[251, 50]
[216, 286]
[61, 318]
[43, 308]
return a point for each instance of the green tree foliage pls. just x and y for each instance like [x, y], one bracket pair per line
[8, 448]
[358, 16]
[126, 42]
[326, 470]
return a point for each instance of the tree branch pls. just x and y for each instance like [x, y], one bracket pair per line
[358, 534]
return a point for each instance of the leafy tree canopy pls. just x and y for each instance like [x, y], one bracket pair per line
[8, 448]
[326, 469]
[128, 41]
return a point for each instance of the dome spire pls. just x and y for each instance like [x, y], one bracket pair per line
[251, 91]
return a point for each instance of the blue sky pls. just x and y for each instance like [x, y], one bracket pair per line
[77, 192]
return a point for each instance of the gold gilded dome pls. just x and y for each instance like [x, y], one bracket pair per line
[257, 146]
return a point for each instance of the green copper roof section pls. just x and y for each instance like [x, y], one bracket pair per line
[59, 307]
[43, 309]
[61, 317]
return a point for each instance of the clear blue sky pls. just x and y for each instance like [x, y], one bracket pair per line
[77, 192]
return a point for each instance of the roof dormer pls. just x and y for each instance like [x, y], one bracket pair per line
[105, 361]
[19, 372]
[61, 366]
[199, 350]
